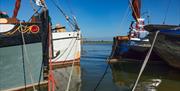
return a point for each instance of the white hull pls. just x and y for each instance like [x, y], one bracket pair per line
[68, 44]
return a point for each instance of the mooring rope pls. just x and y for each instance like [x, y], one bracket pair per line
[72, 67]
[107, 67]
[145, 61]
[27, 58]
[69, 45]
[24, 69]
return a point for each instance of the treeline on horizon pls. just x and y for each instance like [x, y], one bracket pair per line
[97, 42]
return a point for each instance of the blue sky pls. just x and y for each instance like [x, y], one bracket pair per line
[101, 19]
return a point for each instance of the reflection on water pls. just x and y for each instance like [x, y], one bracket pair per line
[157, 76]
[93, 64]
[62, 77]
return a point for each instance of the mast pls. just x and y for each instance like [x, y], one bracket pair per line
[16, 8]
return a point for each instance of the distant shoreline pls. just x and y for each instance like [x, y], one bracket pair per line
[97, 42]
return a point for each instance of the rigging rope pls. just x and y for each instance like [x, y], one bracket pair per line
[112, 53]
[71, 21]
[126, 14]
[31, 2]
[69, 6]
[72, 13]
[179, 13]
[107, 66]
[71, 45]
[72, 67]
[34, 14]
[59, 9]
[166, 11]
[24, 70]
[145, 61]
[27, 58]
[67, 49]
[124, 17]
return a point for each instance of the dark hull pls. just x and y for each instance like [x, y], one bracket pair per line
[167, 44]
[24, 53]
[168, 48]
[14, 37]
[124, 48]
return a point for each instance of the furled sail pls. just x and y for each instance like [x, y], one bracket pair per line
[136, 8]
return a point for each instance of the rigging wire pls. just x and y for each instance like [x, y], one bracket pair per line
[32, 5]
[71, 21]
[71, 11]
[59, 9]
[179, 13]
[102, 77]
[68, 50]
[23, 48]
[107, 67]
[27, 58]
[167, 9]
[72, 69]
[36, 12]
[125, 16]
[69, 45]
[69, 7]
[42, 64]
[40, 75]
[73, 15]
[112, 53]
[24, 69]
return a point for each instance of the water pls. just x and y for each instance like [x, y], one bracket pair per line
[62, 76]
[93, 64]
[158, 76]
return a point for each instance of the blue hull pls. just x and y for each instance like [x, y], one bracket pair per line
[131, 49]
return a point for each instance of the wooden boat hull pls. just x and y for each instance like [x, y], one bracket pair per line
[125, 48]
[167, 44]
[24, 53]
[168, 48]
[66, 48]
